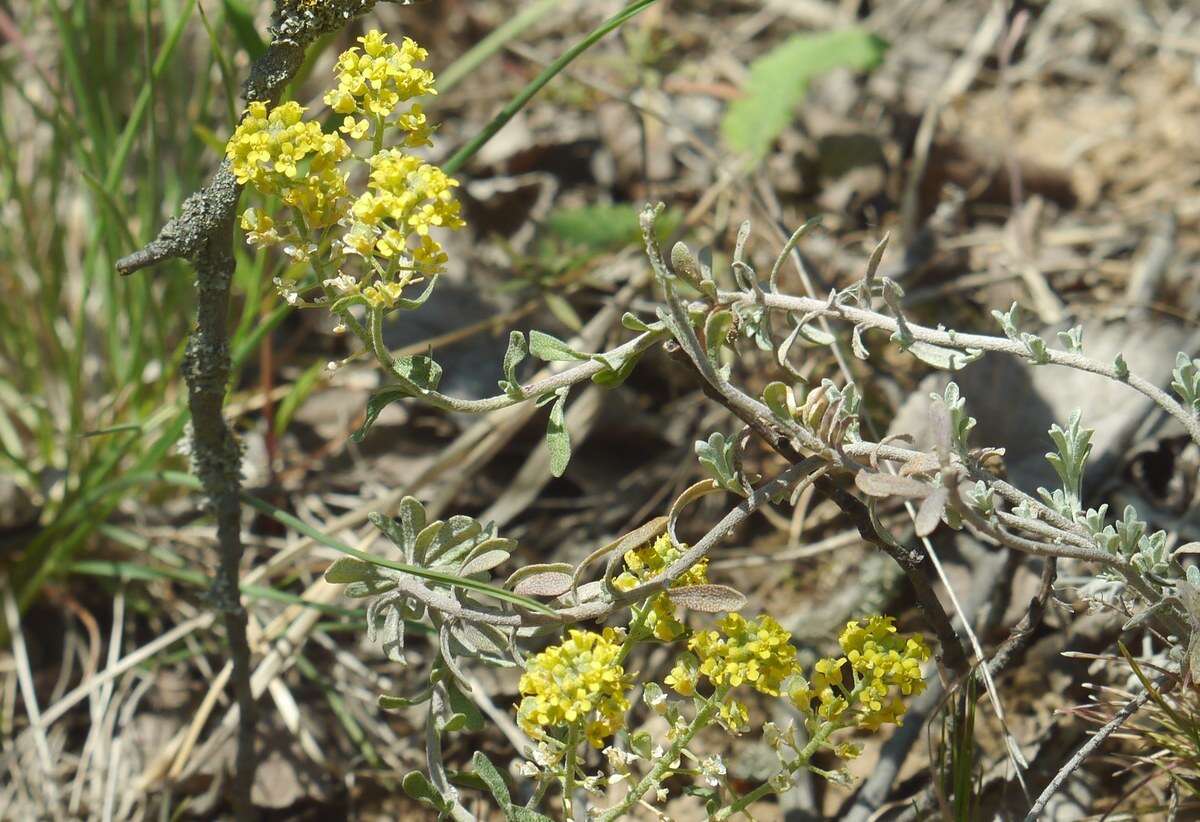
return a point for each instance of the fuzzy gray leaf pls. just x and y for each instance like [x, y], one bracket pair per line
[547, 576]
[491, 777]
[369, 587]
[417, 786]
[545, 584]
[947, 359]
[348, 569]
[558, 439]
[930, 512]
[890, 485]
[484, 562]
[391, 635]
[551, 349]
[708, 599]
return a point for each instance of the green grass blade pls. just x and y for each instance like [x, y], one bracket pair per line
[460, 157]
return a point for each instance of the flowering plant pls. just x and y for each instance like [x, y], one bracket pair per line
[366, 244]
[364, 248]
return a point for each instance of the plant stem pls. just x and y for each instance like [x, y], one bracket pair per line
[659, 771]
[801, 760]
[569, 769]
[539, 793]
[217, 460]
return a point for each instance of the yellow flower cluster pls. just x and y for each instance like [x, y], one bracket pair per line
[882, 659]
[576, 683]
[405, 198]
[649, 561]
[277, 152]
[879, 660]
[378, 78]
[757, 652]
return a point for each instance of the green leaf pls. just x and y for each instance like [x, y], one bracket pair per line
[461, 704]
[519, 813]
[492, 778]
[397, 703]
[421, 370]
[633, 323]
[417, 786]
[557, 438]
[616, 369]
[780, 400]
[516, 352]
[294, 522]
[552, 349]
[779, 80]
[716, 334]
[348, 569]
[717, 456]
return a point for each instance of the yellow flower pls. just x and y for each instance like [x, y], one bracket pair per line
[355, 129]
[429, 256]
[759, 653]
[649, 561]
[847, 750]
[259, 227]
[684, 674]
[405, 198]
[276, 152]
[576, 683]
[827, 672]
[882, 660]
[378, 78]
[734, 716]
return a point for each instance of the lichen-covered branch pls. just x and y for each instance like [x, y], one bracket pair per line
[203, 234]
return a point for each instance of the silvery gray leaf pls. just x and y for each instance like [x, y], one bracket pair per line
[589, 591]
[391, 634]
[484, 639]
[424, 538]
[920, 464]
[453, 541]
[348, 569]
[939, 422]
[537, 568]
[930, 512]
[890, 485]
[544, 584]
[708, 599]
[412, 519]
[947, 359]
[484, 562]
[369, 588]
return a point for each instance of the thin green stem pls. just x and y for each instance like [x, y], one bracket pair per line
[537, 388]
[377, 135]
[539, 793]
[637, 630]
[801, 761]
[659, 772]
[570, 764]
[460, 157]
